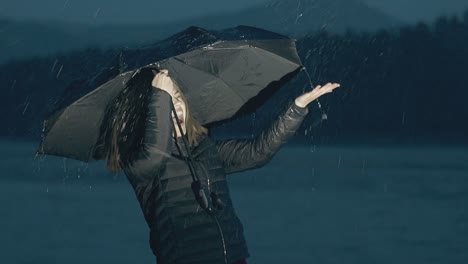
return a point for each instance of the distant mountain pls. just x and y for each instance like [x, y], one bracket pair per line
[299, 17]
[290, 17]
[391, 83]
[25, 39]
[35, 88]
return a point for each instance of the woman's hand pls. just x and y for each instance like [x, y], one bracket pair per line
[162, 81]
[305, 99]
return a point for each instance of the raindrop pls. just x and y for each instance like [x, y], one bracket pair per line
[364, 164]
[403, 118]
[312, 148]
[339, 161]
[38, 163]
[64, 164]
[298, 6]
[53, 66]
[96, 13]
[47, 189]
[297, 18]
[253, 125]
[25, 108]
[324, 116]
[60, 71]
[13, 85]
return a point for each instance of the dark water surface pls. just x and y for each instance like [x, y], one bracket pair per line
[309, 205]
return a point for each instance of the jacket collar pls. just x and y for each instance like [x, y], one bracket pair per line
[178, 147]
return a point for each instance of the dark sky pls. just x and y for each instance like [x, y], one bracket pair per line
[137, 11]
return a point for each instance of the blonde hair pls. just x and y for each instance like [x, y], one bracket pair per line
[124, 135]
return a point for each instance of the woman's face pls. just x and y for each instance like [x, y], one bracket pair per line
[180, 107]
[164, 82]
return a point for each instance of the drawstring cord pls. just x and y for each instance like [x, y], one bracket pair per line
[189, 154]
[208, 201]
[200, 193]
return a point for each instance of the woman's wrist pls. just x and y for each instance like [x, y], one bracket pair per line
[299, 104]
[296, 108]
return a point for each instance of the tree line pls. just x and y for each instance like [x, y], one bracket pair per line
[398, 85]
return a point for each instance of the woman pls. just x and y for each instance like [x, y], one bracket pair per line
[180, 230]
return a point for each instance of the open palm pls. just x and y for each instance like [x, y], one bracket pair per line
[304, 99]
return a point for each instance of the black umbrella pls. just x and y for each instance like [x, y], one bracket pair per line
[218, 81]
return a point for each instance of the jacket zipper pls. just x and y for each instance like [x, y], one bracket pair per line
[214, 216]
[222, 238]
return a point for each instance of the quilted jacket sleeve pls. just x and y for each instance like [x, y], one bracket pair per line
[242, 154]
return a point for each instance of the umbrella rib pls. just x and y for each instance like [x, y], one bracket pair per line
[273, 55]
[208, 73]
[253, 46]
[276, 56]
[234, 90]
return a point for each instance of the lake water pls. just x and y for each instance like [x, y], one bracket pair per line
[309, 205]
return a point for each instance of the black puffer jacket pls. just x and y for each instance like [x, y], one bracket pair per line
[180, 231]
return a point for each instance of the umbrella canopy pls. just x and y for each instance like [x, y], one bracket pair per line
[218, 81]
[74, 131]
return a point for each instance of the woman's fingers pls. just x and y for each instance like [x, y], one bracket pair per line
[164, 82]
[162, 72]
[332, 86]
[320, 90]
[327, 88]
[162, 75]
[304, 99]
